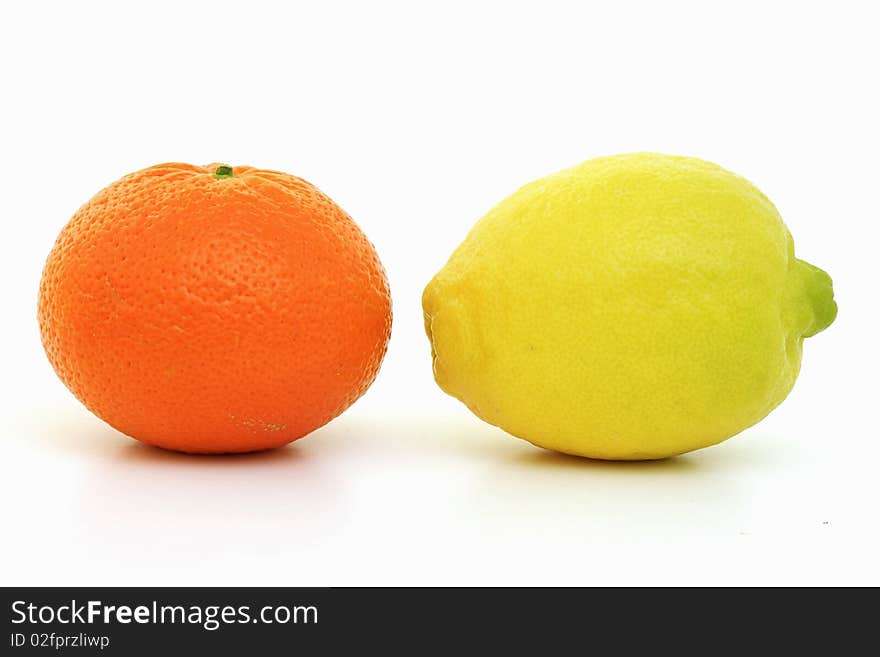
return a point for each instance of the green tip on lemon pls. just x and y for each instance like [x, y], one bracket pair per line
[820, 296]
[223, 172]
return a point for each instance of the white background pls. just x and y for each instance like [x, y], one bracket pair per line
[417, 118]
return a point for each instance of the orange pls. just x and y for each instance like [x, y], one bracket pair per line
[214, 309]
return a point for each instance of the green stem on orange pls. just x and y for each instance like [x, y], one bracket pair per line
[223, 172]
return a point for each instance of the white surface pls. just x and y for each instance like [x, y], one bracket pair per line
[417, 120]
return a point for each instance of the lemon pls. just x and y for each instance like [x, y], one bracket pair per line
[632, 307]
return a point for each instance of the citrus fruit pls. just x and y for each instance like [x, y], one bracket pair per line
[215, 308]
[632, 307]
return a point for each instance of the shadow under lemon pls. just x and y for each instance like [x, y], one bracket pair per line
[530, 490]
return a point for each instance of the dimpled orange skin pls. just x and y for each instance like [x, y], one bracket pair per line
[213, 313]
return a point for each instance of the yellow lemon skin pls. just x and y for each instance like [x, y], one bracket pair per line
[632, 307]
